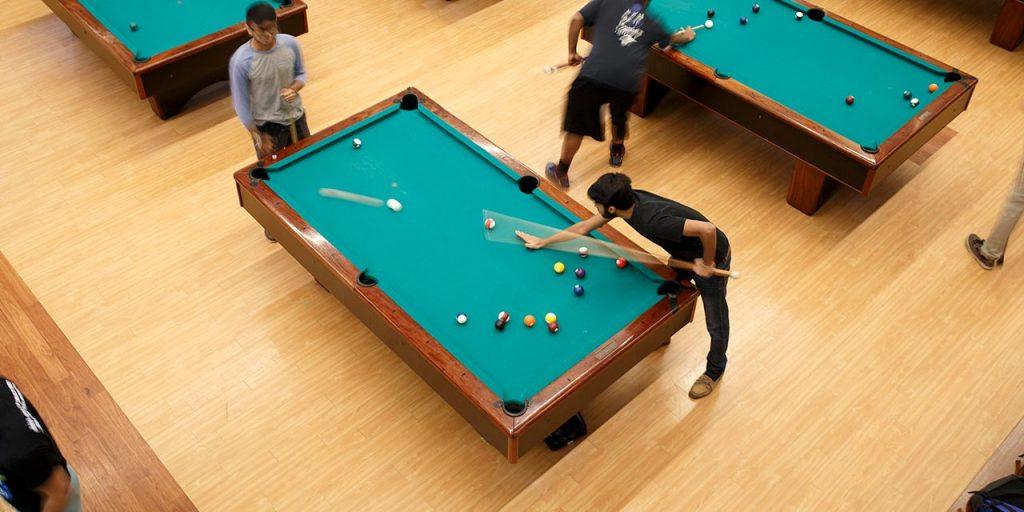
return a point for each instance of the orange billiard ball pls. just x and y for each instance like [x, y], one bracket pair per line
[529, 320]
[933, 88]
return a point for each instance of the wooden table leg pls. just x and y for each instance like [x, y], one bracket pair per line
[1010, 25]
[809, 188]
[651, 92]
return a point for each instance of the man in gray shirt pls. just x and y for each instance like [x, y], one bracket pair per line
[266, 75]
[623, 34]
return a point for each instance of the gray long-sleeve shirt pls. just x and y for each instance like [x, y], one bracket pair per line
[257, 78]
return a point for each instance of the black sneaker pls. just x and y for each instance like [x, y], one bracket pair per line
[974, 243]
[568, 433]
[615, 160]
[557, 176]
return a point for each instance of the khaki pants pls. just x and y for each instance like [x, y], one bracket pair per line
[995, 244]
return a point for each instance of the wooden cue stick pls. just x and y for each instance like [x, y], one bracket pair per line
[674, 263]
[294, 132]
[349, 196]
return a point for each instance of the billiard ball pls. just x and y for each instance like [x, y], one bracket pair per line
[907, 95]
[584, 252]
[756, 8]
[394, 205]
[621, 263]
[134, 27]
[499, 325]
[580, 273]
[577, 290]
[933, 87]
[849, 100]
[559, 267]
[503, 316]
[743, 20]
[799, 16]
[553, 327]
[356, 143]
[529, 320]
[709, 24]
[461, 318]
[711, 13]
[914, 102]
[550, 318]
[489, 223]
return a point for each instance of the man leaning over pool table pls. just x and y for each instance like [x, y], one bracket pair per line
[266, 74]
[687, 236]
[623, 34]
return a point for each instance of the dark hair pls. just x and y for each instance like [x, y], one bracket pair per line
[612, 189]
[260, 12]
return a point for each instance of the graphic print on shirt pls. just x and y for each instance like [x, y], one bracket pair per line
[5, 493]
[629, 28]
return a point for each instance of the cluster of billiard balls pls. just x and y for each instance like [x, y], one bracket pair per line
[756, 8]
[550, 319]
[907, 95]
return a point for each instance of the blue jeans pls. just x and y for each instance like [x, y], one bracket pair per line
[716, 314]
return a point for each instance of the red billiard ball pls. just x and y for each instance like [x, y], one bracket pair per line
[849, 100]
[621, 263]
[553, 327]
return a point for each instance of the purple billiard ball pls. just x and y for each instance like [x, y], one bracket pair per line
[756, 8]
[578, 290]
[580, 273]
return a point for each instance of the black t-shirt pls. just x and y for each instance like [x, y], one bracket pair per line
[623, 33]
[27, 452]
[661, 221]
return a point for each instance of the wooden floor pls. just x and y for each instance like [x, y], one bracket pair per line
[872, 366]
[115, 466]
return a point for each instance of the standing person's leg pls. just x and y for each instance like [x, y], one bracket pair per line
[989, 252]
[302, 127]
[716, 315]
[619, 108]
[582, 119]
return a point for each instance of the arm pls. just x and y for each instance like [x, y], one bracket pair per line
[54, 491]
[683, 36]
[239, 78]
[291, 92]
[708, 234]
[575, 27]
[579, 229]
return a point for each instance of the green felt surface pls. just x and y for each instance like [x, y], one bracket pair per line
[433, 259]
[808, 66]
[166, 24]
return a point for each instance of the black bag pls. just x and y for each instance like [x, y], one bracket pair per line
[1003, 495]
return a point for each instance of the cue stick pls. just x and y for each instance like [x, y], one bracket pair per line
[349, 196]
[295, 134]
[637, 255]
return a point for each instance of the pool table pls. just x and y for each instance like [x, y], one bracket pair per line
[787, 81]
[177, 47]
[408, 274]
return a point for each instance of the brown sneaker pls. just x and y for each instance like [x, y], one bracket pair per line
[702, 387]
[974, 244]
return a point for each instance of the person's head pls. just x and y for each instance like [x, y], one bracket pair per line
[612, 194]
[261, 22]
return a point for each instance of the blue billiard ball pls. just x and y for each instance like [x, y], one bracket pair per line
[743, 20]
[578, 290]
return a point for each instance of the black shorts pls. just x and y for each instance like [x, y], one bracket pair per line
[281, 134]
[583, 108]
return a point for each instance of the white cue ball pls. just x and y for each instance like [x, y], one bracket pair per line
[914, 102]
[709, 24]
[394, 205]
[799, 15]
[356, 143]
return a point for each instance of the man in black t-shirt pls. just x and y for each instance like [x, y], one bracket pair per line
[623, 34]
[34, 477]
[686, 235]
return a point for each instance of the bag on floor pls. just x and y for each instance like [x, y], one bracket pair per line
[1003, 495]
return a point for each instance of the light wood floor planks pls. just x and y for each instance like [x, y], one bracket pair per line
[866, 345]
